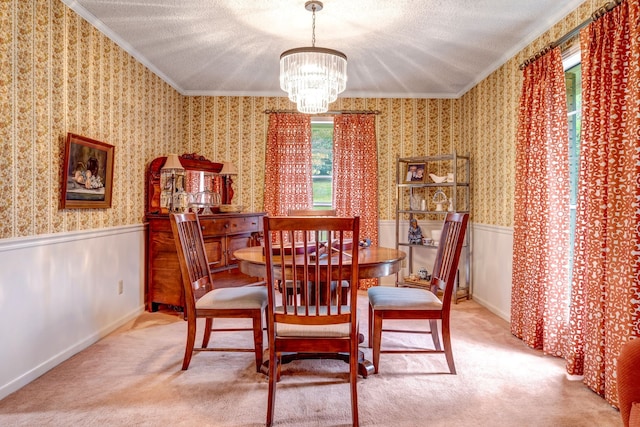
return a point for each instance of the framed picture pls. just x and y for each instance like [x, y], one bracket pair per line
[87, 175]
[415, 173]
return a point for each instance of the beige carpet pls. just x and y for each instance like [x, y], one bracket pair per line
[133, 378]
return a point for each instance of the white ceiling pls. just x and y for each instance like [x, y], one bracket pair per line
[395, 48]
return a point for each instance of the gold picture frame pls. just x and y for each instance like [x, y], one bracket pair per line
[87, 174]
[415, 173]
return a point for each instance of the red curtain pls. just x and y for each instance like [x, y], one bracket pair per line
[605, 297]
[540, 294]
[355, 174]
[288, 178]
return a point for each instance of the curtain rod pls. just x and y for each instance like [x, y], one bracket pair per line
[330, 112]
[601, 11]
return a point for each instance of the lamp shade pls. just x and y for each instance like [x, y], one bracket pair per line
[172, 162]
[228, 169]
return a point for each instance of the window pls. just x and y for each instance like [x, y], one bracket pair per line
[573, 77]
[322, 161]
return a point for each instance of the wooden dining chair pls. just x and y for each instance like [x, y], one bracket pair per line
[387, 302]
[314, 323]
[203, 300]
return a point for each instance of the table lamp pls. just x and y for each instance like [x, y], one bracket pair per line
[171, 170]
[228, 169]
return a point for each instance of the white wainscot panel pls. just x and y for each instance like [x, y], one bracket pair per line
[60, 293]
[492, 252]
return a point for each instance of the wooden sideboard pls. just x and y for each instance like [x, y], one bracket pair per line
[223, 233]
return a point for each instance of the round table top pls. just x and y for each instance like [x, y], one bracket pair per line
[373, 261]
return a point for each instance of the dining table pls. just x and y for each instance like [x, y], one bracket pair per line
[373, 262]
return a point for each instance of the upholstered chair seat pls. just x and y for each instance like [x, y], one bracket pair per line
[250, 297]
[387, 298]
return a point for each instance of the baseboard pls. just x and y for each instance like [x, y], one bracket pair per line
[495, 310]
[54, 361]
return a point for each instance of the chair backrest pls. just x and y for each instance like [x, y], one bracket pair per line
[319, 264]
[312, 212]
[194, 266]
[449, 248]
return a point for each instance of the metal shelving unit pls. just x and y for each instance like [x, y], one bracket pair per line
[417, 198]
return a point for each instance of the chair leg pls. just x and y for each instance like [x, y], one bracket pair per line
[370, 326]
[273, 378]
[377, 339]
[257, 339]
[353, 381]
[433, 324]
[191, 339]
[208, 325]
[446, 340]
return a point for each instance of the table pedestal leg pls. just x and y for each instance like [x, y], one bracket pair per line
[365, 367]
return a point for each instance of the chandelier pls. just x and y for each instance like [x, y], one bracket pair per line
[313, 76]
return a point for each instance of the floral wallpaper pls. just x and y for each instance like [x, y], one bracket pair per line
[235, 129]
[60, 74]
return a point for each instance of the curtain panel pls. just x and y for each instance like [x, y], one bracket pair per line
[605, 298]
[540, 294]
[288, 177]
[355, 174]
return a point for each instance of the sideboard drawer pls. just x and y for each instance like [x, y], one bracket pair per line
[247, 224]
[233, 225]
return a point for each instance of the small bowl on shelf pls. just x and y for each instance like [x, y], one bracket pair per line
[231, 208]
[437, 179]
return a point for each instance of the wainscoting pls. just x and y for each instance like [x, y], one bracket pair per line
[492, 252]
[60, 293]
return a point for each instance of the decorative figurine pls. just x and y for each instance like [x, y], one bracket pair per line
[365, 242]
[439, 198]
[415, 232]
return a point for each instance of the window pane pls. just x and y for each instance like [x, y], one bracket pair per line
[322, 161]
[573, 78]
[574, 102]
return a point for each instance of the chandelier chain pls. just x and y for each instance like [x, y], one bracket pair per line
[313, 25]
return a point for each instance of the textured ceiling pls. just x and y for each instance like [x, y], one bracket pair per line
[395, 48]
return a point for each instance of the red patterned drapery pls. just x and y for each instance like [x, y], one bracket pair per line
[288, 177]
[540, 291]
[605, 296]
[355, 174]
